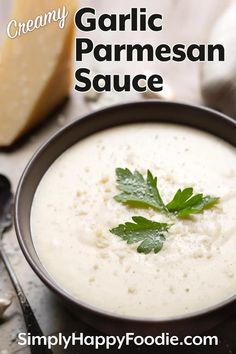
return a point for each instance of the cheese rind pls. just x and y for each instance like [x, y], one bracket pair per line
[35, 69]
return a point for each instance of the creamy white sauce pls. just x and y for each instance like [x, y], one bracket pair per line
[73, 210]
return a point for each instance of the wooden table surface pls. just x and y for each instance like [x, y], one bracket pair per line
[185, 21]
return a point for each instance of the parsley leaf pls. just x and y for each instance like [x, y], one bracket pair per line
[185, 203]
[138, 192]
[151, 234]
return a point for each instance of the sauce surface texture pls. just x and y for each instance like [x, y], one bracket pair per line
[73, 210]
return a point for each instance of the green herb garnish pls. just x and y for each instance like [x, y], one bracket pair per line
[136, 191]
[185, 203]
[151, 234]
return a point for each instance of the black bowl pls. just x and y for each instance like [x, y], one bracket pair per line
[147, 111]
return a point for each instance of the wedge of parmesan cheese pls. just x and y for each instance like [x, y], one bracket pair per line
[35, 67]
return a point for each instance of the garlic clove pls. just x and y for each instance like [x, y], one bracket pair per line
[92, 95]
[4, 304]
[166, 94]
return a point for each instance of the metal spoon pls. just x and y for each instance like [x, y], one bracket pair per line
[32, 326]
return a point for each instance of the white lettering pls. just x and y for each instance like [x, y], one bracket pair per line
[12, 22]
[16, 29]
[22, 340]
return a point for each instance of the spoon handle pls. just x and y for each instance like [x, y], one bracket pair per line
[31, 322]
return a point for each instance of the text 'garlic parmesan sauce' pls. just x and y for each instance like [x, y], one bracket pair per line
[73, 210]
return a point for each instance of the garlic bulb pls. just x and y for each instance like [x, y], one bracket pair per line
[218, 78]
